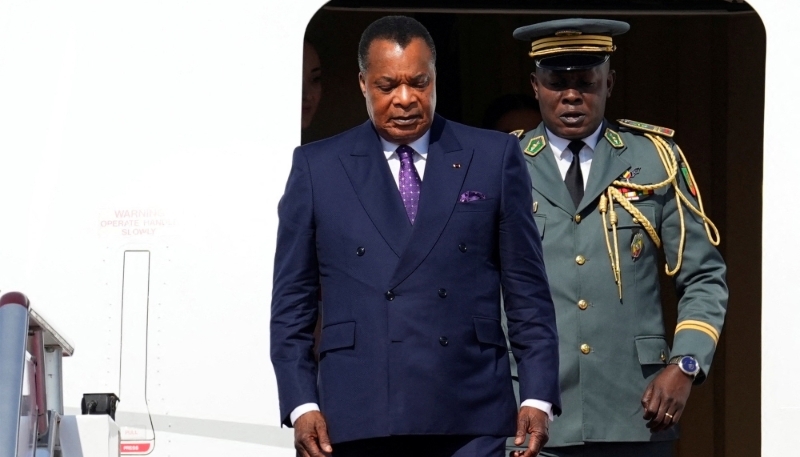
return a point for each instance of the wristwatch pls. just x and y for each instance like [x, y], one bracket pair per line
[687, 364]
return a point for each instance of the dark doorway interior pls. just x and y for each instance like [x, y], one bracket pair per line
[696, 67]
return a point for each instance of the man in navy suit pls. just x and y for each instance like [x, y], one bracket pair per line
[413, 225]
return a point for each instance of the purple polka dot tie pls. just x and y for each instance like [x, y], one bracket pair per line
[409, 181]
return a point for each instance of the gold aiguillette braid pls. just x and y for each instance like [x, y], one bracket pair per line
[606, 206]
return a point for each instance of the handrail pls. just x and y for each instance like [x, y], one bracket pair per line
[36, 349]
[23, 332]
[13, 347]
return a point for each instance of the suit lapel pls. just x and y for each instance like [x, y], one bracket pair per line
[375, 186]
[545, 175]
[607, 165]
[439, 193]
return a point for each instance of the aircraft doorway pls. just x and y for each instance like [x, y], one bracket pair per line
[696, 67]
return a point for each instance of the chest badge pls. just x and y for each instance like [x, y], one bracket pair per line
[637, 244]
[630, 174]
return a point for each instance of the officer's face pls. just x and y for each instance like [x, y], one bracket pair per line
[573, 102]
[399, 86]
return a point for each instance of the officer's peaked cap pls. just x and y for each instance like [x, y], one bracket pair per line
[571, 44]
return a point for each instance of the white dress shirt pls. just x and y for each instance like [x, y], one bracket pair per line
[420, 156]
[420, 148]
[564, 155]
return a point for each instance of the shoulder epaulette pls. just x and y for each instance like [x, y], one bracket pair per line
[518, 133]
[650, 128]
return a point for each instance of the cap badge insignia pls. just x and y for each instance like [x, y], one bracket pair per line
[614, 138]
[535, 145]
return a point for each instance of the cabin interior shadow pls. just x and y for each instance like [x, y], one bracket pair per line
[698, 69]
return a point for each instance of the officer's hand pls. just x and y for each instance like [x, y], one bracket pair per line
[533, 421]
[311, 435]
[666, 396]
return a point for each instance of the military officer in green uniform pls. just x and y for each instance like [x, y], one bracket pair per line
[608, 196]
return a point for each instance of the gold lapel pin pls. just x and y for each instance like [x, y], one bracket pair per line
[456, 165]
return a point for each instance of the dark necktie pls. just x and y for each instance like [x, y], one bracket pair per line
[409, 181]
[574, 178]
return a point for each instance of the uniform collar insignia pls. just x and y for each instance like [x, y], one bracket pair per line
[614, 138]
[535, 145]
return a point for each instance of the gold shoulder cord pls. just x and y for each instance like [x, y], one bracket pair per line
[612, 194]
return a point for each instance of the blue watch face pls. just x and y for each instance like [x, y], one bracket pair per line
[689, 365]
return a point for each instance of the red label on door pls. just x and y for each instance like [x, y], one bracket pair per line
[134, 448]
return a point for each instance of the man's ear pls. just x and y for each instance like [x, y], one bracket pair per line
[362, 84]
[610, 80]
[535, 85]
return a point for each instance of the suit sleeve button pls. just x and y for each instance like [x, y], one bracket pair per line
[442, 293]
[389, 295]
[443, 341]
[462, 247]
[360, 251]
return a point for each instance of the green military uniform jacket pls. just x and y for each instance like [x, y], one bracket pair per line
[610, 349]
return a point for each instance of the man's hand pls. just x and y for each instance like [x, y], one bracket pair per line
[533, 421]
[311, 435]
[665, 398]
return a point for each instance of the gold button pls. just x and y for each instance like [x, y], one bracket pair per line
[635, 221]
[663, 356]
[585, 348]
[535, 206]
[577, 218]
[580, 260]
[583, 304]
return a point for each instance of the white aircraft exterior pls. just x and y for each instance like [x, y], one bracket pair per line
[144, 147]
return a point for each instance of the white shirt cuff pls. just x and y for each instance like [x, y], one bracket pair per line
[304, 408]
[541, 405]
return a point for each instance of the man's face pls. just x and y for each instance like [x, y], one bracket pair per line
[573, 102]
[399, 86]
[312, 85]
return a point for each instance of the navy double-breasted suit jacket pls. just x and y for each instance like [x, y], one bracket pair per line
[412, 341]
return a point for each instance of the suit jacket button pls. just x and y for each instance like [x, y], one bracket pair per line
[583, 304]
[389, 295]
[577, 218]
[462, 247]
[580, 260]
[442, 293]
[443, 341]
[585, 348]
[360, 251]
